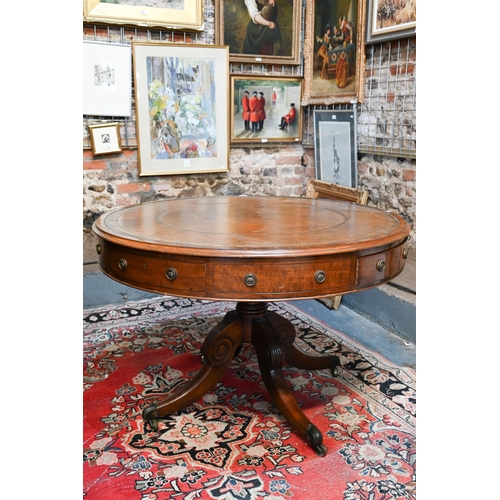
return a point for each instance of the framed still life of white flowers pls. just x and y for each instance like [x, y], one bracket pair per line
[181, 98]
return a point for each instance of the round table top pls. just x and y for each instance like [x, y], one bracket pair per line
[251, 226]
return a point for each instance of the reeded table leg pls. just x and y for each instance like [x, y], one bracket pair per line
[273, 339]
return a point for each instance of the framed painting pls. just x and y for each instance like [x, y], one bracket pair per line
[335, 147]
[177, 14]
[389, 20]
[182, 112]
[107, 79]
[260, 31]
[105, 138]
[334, 51]
[265, 110]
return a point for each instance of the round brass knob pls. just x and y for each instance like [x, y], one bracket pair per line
[98, 249]
[320, 276]
[380, 265]
[405, 253]
[171, 274]
[250, 280]
[122, 264]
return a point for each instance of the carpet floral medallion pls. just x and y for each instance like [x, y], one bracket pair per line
[233, 444]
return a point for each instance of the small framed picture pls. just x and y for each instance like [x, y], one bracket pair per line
[335, 147]
[105, 138]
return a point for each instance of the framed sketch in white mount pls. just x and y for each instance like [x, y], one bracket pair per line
[107, 79]
[335, 147]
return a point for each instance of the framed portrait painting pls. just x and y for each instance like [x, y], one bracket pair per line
[265, 110]
[260, 31]
[390, 20]
[182, 116]
[181, 14]
[335, 147]
[334, 51]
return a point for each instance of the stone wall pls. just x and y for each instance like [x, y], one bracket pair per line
[113, 181]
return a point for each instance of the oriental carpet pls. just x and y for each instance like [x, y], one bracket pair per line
[233, 444]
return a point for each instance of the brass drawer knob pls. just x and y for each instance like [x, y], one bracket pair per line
[320, 276]
[171, 274]
[98, 249]
[122, 264]
[250, 280]
[405, 253]
[380, 265]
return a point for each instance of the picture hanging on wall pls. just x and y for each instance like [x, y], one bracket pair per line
[265, 110]
[182, 115]
[390, 20]
[335, 147]
[334, 51]
[180, 15]
[107, 79]
[260, 31]
[105, 138]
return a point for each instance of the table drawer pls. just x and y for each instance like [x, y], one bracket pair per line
[282, 280]
[379, 267]
[153, 271]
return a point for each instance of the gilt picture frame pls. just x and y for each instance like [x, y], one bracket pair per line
[386, 24]
[334, 51]
[181, 15]
[261, 110]
[335, 147]
[250, 42]
[107, 79]
[182, 112]
[105, 138]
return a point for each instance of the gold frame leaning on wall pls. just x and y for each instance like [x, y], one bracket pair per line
[334, 51]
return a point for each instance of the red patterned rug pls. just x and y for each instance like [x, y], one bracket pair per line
[234, 444]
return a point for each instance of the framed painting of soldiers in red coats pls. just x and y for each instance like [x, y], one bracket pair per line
[260, 31]
[265, 110]
[334, 51]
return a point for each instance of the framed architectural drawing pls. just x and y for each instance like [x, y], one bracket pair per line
[334, 51]
[258, 31]
[265, 110]
[390, 20]
[335, 147]
[182, 107]
[105, 138]
[107, 79]
[181, 15]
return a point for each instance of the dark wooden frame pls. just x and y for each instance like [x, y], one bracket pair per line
[343, 125]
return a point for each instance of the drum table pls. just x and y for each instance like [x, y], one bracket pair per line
[251, 250]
